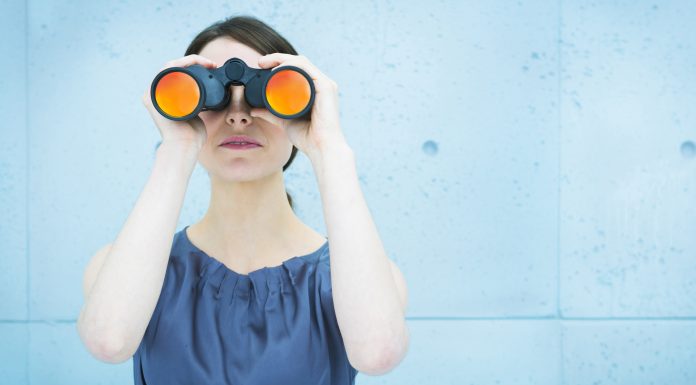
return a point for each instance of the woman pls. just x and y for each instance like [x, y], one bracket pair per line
[248, 295]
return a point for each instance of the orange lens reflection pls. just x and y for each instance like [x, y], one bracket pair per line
[288, 92]
[177, 94]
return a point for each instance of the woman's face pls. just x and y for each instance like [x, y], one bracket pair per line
[235, 119]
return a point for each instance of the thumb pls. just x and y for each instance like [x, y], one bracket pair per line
[263, 113]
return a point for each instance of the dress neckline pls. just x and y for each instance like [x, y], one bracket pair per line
[212, 259]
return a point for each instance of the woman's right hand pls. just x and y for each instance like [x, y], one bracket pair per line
[188, 132]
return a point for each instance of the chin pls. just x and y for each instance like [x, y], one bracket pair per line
[244, 172]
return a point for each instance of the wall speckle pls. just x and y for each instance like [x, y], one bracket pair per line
[430, 147]
[688, 149]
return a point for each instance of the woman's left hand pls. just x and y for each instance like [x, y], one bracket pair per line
[323, 130]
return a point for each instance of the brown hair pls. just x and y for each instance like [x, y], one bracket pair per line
[252, 32]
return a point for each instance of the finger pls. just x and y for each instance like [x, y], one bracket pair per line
[276, 60]
[273, 59]
[282, 59]
[266, 115]
[146, 96]
[190, 60]
[197, 122]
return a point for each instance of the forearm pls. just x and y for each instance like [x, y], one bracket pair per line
[366, 300]
[125, 293]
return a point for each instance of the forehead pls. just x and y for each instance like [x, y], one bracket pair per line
[221, 49]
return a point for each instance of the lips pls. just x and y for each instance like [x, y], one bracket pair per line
[240, 139]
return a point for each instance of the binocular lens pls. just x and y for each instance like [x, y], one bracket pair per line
[288, 92]
[177, 94]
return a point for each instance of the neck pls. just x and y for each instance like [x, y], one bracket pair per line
[249, 212]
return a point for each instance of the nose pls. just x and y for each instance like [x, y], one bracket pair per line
[238, 111]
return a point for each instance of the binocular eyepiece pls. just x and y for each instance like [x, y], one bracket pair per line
[180, 93]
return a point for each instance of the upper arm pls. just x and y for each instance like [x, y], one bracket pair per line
[400, 282]
[92, 269]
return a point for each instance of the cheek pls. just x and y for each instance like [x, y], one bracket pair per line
[205, 117]
[209, 125]
[281, 137]
[279, 146]
[281, 142]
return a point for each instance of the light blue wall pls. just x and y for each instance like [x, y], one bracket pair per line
[530, 166]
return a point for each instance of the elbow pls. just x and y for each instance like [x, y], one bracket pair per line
[108, 351]
[381, 358]
[382, 362]
[104, 348]
[112, 353]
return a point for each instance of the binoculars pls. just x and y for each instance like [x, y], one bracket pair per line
[180, 93]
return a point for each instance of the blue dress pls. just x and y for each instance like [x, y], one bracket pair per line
[214, 326]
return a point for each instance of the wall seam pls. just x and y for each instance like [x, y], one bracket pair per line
[559, 85]
[26, 192]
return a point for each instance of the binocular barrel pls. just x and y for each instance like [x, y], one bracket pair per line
[180, 93]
